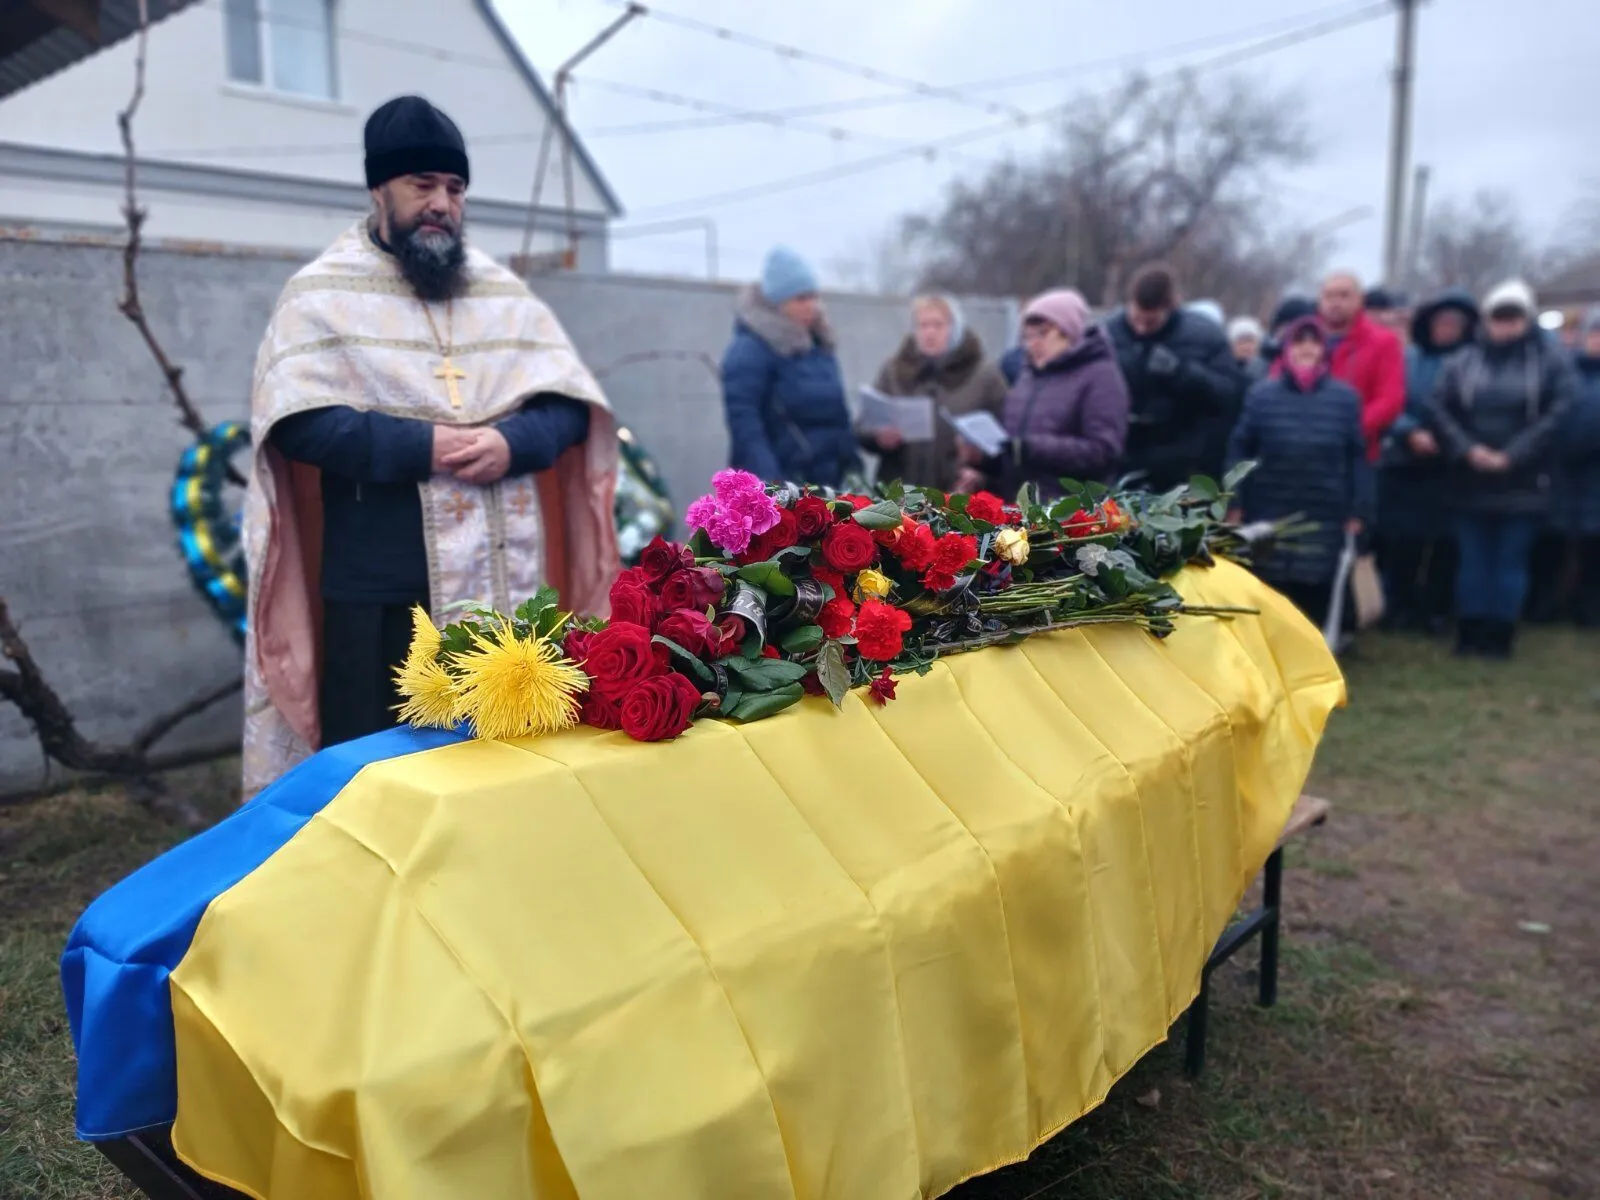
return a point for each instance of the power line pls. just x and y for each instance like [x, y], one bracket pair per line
[859, 166]
[1134, 60]
[925, 90]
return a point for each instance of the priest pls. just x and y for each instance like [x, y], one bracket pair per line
[426, 435]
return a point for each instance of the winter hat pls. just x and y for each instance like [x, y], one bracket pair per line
[1513, 293]
[1242, 327]
[1292, 308]
[953, 310]
[409, 136]
[1381, 299]
[1209, 309]
[1063, 308]
[786, 275]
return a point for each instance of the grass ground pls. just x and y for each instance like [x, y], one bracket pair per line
[1435, 1035]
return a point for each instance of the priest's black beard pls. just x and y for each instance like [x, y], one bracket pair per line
[432, 263]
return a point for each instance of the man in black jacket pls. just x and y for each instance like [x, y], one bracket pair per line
[1185, 385]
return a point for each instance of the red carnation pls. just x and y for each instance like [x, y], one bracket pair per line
[880, 630]
[621, 655]
[661, 558]
[812, 684]
[849, 548]
[986, 506]
[916, 548]
[813, 514]
[660, 708]
[770, 652]
[692, 587]
[1083, 524]
[633, 602]
[951, 555]
[690, 629]
[882, 688]
[836, 616]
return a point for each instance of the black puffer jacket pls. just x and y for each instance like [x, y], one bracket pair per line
[1512, 398]
[1180, 418]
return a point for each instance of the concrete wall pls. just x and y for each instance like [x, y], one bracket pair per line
[88, 445]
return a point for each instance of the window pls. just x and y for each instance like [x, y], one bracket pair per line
[287, 45]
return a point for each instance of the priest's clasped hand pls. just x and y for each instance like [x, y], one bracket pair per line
[480, 456]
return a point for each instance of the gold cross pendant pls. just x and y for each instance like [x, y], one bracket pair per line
[449, 372]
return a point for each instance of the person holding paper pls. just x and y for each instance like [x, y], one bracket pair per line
[782, 390]
[1067, 414]
[1302, 428]
[940, 361]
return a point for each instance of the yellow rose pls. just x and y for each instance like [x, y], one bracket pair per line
[1012, 545]
[872, 583]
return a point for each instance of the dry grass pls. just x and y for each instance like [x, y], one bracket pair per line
[1429, 1042]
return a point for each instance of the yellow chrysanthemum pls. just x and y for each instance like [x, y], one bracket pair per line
[872, 582]
[429, 690]
[518, 687]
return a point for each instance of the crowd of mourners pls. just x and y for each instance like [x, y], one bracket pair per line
[1459, 440]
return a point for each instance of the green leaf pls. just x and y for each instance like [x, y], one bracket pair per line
[1204, 487]
[765, 674]
[895, 491]
[540, 602]
[832, 673]
[751, 646]
[769, 577]
[731, 699]
[798, 641]
[701, 672]
[1232, 480]
[456, 639]
[885, 514]
[766, 704]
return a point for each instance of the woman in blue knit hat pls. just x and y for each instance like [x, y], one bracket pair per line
[781, 385]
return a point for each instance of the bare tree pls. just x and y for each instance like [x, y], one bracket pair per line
[1476, 244]
[1173, 170]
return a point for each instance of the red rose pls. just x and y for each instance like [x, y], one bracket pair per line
[848, 548]
[812, 515]
[635, 575]
[882, 688]
[770, 652]
[693, 587]
[661, 558]
[780, 537]
[725, 637]
[690, 629]
[830, 577]
[633, 602]
[836, 616]
[812, 684]
[620, 656]
[986, 506]
[951, 555]
[915, 548]
[602, 711]
[659, 708]
[856, 503]
[576, 645]
[880, 630]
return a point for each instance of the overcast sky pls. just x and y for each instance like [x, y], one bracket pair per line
[1507, 97]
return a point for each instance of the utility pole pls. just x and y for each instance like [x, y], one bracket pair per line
[1400, 139]
[569, 258]
[1419, 225]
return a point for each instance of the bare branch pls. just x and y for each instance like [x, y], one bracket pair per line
[57, 730]
[134, 216]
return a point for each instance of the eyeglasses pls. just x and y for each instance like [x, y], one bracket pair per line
[1508, 315]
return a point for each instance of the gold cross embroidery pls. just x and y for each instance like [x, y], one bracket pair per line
[458, 506]
[521, 500]
[449, 372]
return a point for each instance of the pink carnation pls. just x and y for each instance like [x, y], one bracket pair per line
[737, 510]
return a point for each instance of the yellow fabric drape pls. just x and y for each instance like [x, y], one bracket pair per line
[855, 954]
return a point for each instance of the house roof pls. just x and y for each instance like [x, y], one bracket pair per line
[514, 51]
[37, 38]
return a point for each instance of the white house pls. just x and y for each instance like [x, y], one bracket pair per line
[250, 130]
